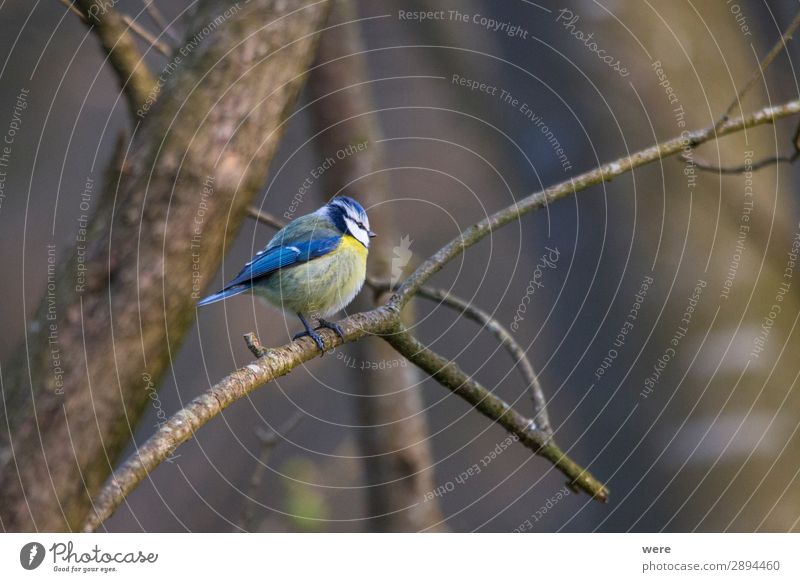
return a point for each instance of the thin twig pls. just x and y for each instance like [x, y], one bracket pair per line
[158, 18]
[762, 66]
[110, 28]
[264, 217]
[134, 26]
[758, 73]
[476, 314]
[73, 9]
[269, 440]
[254, 344]
[754, 166]
[151, 40]
[385, 321]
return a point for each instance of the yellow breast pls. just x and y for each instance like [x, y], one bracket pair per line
[351, 267]
[350, 243]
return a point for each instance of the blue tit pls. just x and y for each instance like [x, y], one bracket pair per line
[314, 266]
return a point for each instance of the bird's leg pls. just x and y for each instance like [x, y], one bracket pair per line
[330, 325]
[310, 333]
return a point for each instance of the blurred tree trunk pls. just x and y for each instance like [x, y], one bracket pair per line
[729, 415]
[89, 362]
[395, 441]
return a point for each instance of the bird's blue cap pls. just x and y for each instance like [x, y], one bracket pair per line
[343, 208]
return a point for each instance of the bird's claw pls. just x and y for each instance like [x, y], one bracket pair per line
[337, 329]
[314, 336]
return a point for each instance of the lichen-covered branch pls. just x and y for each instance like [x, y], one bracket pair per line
[460, 383]
[274, 363]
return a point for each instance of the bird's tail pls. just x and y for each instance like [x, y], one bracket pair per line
[224, 294]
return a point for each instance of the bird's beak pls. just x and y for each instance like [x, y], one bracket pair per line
[371, 234]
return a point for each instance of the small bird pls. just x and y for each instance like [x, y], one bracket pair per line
[314, 266]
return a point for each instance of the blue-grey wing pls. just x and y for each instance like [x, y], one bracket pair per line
[303, 229]
[276, 258]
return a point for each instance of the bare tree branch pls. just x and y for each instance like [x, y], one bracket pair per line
[478, 315]
[505, 338]
[274, 363]
[604, 173]
[758, 73]
[385, 321]
[460, 383]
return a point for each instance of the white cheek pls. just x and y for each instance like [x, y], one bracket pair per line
[359, 233]
[362, 236]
